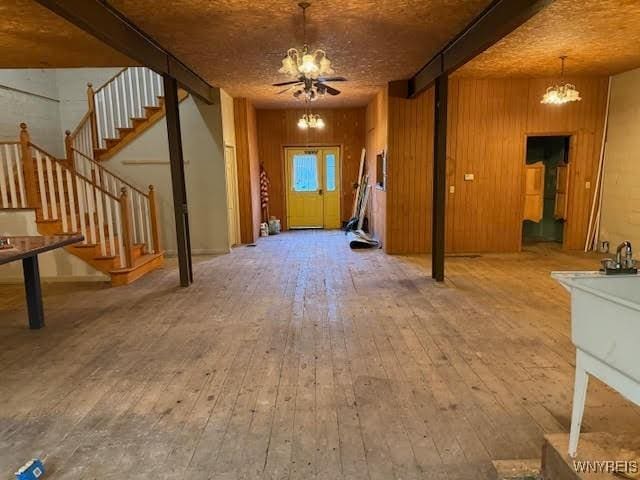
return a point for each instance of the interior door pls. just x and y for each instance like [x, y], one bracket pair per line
[233, 214]
[534, 192]
[313, 187]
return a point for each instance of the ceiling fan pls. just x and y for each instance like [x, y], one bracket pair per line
[310, 89]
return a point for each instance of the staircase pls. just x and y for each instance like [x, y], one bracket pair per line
[77, 194]
[119, 111]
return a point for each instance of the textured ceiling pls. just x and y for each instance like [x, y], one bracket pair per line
[32, 36]
[238, 44]
[599, 37]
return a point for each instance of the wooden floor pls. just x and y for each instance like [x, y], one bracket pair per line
[297, 359]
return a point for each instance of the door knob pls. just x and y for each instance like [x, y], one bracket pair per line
[320, 192]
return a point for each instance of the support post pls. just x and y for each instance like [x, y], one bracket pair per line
[29, 174]
[176, 161]
[153, 213]
[91, 102]
[439, 177]
[127, 228]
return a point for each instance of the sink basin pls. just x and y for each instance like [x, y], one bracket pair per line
[605, 328]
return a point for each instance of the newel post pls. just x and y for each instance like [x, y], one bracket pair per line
[127, 228]
[92, 115]
[29, 174]
[153, 213]
[68, 147]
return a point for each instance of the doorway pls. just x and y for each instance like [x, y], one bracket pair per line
[233, 213]
[313, 187]
[546, 187]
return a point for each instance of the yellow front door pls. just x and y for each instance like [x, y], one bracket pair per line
[313, 187]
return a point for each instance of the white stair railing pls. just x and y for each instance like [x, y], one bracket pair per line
[12, 192]
[122, 98]
[144, 230]
[80, 205]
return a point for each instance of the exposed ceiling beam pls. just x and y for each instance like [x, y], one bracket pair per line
[106, 24]
[496, 22]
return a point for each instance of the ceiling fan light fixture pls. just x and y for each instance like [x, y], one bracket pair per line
[325, 66]
[288, 66]
[305, 62]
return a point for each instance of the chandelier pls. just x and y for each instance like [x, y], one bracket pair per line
[310, 120]
[561, 93]
[306, 63]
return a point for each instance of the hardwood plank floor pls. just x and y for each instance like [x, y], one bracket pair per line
[298, 358]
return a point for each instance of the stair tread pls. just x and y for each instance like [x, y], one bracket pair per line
[139, 262]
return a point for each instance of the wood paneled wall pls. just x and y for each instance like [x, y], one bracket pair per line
[278, 129]
[248, 169]
[376, 142]
[488, 122]
[410, 174]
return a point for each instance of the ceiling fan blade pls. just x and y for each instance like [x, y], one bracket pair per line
[328, 89]
[285, 90]
[282, 84]
[331, 79]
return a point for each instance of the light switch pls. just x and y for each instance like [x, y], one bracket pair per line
[468, 177]
[587, 185]
[452, 189]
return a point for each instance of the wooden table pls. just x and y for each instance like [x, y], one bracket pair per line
[27, 249]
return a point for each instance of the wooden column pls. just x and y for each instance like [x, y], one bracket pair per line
[127, 228]
[439, 177]
[28, 170]
[91, 102]
[177, 180]
[153, 213]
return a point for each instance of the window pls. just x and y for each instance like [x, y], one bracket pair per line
[305, 173]
[330, 162]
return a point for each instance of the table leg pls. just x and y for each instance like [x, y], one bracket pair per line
[34, 291]
[579, 399]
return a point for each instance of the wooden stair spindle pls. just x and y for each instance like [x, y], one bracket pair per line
[127, 227]
[153, 214]
[29, 174]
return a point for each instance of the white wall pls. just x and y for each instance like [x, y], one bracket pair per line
[146, 161]
[72, 91]
[31, 96]
[48, 101]
[620, 218]
[56, 265]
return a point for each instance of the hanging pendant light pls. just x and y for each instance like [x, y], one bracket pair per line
[306, 63]
[310, 120]
[561, 93]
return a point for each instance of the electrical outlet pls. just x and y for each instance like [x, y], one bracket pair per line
[468, 177]
[587, 185]
[452, 189]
